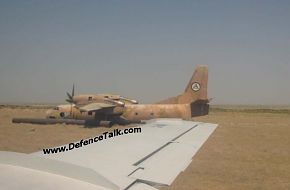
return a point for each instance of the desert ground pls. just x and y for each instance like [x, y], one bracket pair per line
[249, 150]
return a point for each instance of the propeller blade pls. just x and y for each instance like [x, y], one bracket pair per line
[73, 91]
[69, 96]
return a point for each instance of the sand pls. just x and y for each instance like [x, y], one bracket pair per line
[247, 150]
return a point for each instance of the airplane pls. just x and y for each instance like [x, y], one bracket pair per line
[109, 109]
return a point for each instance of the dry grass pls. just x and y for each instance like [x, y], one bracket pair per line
[247, 150]
[27, 138]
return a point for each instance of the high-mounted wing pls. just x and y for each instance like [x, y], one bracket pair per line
[145, 160]
[95, 107]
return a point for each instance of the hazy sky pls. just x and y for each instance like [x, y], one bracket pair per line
[146, 50]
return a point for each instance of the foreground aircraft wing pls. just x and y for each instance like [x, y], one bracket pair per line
[95, 107]
[147, 160]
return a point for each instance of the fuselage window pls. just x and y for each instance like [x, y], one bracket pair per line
[136, 113]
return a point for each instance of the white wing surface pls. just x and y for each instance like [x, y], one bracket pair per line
[145, 160]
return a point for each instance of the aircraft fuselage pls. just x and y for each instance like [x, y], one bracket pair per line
[131, 112]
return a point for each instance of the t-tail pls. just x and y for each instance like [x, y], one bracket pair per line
[195, 93]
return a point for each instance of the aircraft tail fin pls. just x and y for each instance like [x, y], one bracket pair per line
[196, 89]
[196, 92]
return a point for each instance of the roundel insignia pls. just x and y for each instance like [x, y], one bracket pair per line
[195, 86]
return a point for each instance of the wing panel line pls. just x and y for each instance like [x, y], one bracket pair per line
[162, 147]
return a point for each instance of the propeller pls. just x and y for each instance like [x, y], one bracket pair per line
[70, 96]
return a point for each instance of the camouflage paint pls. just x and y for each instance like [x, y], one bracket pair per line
[193, 102]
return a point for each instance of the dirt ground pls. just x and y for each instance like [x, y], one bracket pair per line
[247, 150]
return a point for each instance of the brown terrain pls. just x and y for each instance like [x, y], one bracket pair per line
[249, 150]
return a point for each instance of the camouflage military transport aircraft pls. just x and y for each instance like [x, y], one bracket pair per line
[107, 109]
